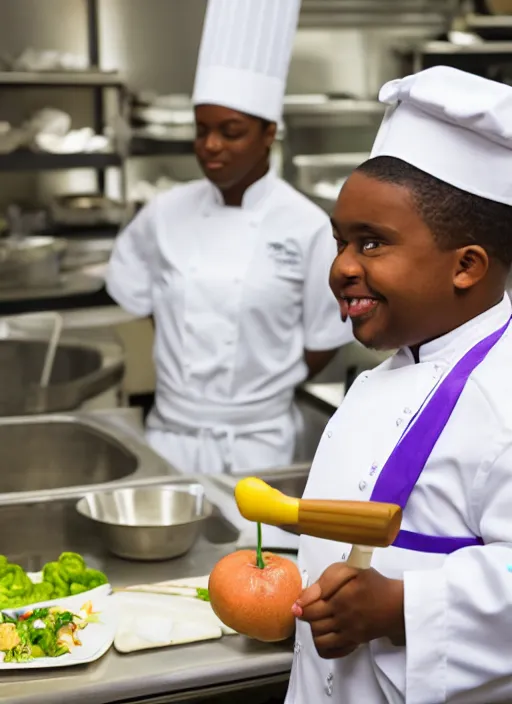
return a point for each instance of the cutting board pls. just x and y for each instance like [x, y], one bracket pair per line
[165, 614]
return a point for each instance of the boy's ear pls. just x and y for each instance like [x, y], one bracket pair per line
[472, 264]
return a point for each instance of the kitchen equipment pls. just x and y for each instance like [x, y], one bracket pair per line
[87, 252]
[365, 524]
[321, 176]
[148, 523]
[52, 349]
[80, 371]
[81, 209]
[30, 262]
[496, 28]
[163, 109]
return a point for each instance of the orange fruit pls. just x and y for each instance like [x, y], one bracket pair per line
[255, 601]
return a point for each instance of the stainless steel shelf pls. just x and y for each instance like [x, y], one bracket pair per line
[180, 141]
[65, 78]
[332, 107]
[491, 27]
[479, 49]
[26, 160]
[490, 21]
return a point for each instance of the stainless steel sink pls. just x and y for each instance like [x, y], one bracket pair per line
[42, 455]
[36, 533]
[80, 371]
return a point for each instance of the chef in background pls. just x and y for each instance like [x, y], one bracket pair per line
[233, 268]
[424, 233]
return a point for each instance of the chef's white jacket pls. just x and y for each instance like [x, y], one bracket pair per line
[458, 608]
[237, 295]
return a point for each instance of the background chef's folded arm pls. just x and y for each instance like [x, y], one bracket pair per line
[131, 267]
[324, 332]
[459, 618]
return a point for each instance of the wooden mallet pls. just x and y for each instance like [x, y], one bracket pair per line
[364, 524]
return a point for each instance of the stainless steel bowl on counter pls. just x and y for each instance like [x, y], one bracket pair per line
[148, 523]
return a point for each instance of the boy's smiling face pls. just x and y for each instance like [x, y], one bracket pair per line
[390, 276]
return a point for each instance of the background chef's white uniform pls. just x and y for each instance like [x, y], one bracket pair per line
[458, 608]
[237, 293]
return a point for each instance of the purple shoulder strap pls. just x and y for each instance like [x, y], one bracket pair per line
[407, 461]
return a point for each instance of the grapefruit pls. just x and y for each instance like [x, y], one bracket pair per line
[253, 600]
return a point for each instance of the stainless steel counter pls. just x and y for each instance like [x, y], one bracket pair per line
[120, 678]
[47, 523]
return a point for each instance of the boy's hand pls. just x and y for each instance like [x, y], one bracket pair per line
[347, 607]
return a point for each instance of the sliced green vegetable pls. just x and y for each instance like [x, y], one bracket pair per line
[71, 566]
[52, 574]
[92, 578]
[202, 594]
[42, 592]
[75, 588]
[67, 576]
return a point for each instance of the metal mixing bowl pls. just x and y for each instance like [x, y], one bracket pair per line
[148, 523]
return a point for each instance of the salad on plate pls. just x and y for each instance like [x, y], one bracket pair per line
[47, 632]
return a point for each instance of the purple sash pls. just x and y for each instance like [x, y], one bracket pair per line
[407, 461]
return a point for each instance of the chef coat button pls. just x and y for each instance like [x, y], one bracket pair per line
[329, 434]
[328, 684]
[399, 422]
[407, 411]
[362, 485]
[297, 647]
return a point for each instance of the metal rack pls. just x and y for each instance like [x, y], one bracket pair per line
[128, 143]
[95, 80]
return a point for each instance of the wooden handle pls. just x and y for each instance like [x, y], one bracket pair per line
[360, 557]
[357, 522]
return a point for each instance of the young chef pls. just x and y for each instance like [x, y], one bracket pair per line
[424, 236]
[233, 268]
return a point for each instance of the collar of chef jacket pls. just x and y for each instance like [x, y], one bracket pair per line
[253, 197]
[450, 347]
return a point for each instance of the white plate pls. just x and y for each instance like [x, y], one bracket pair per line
[96, 638]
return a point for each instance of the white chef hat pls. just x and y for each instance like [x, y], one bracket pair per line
[452, 125]
[245, 55]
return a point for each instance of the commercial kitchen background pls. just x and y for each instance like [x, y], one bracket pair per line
[116, 131]
[141, 50]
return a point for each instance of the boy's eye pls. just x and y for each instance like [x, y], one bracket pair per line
[369, 245]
